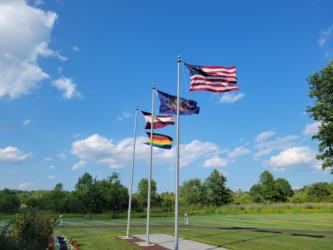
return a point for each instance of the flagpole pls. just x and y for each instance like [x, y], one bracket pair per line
[177, 156]
[132, 174]
[151, 163]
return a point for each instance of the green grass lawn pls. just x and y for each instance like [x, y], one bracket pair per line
[91, 234]
[321, 221]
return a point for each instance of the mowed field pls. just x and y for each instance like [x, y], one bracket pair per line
[254, 231]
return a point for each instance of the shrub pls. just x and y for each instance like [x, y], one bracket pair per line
[29, 230]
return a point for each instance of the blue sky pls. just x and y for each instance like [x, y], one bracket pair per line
[72, 73]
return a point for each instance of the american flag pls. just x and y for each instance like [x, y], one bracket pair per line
[212, 78]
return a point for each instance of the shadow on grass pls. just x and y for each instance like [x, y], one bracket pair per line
[246, 240]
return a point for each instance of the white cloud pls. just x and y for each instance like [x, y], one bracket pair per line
[97, 149]
[311, 129]
[215, 162]
[231, 97]
[67, 86]
[319, 165]
[239, 151]
[265, 135]
[12, 154]
[50, 177]
[124, 115]
[279, 143]
[326, 42]
[26, 185]
[79, 165]
[195, 150]
[25, 33]
[48, 159]
[325, 36]
[76, 49]
[51, 167]
[294, 156]
[62, 156]
[26, 122]
[43, 51]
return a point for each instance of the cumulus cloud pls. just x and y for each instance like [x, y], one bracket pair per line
[239, 151]
[26, 122]
[26, 185]
[280, 143]
[13, 154]
[231, 97]
[67, 86]
[265, 135]
[50, 177]
[311, 129]
[25, 33]
[294, 156]
[215, 162]
[97, 149]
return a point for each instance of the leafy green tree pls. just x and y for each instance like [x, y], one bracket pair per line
[167, 201]
[321, 90]
[143, 192]
[270, 190]
[192, 192]
[9, 202]
[89, 193]
[56, 199]
[257, 193]
[317, 192]
[216, 190]
[84, 182]
[283, 189]
[114, 193]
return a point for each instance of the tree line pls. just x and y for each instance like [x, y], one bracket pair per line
[92, 196]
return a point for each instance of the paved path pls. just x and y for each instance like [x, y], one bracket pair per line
[167, 241]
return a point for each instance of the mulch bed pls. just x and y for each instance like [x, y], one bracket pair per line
[134, 239]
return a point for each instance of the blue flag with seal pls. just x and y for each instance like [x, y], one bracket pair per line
[168, 105]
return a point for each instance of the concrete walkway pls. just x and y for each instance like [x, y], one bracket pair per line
[167, 241]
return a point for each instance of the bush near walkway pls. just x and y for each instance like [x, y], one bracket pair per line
[29, 230]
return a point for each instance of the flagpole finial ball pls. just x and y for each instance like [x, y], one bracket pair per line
[179, 58]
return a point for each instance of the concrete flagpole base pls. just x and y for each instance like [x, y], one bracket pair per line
[144, 244]
[125, 237]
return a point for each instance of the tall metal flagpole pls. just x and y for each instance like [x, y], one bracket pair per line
[177, 156]
[151, 163]
[132, 174]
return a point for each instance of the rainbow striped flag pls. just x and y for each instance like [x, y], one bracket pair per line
[160, 141]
